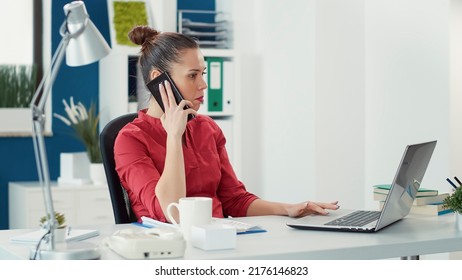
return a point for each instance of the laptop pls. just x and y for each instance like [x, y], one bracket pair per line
[397, 205]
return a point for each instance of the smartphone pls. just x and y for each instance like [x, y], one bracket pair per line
[153, 87]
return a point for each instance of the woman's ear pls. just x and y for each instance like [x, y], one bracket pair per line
[154, 74]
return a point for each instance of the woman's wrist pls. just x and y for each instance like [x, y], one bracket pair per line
[262, 207]
[285, 209]
[174, 138]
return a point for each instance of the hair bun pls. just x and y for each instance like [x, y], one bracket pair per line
[140, 34]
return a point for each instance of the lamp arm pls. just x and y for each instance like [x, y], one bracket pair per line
[40, 96]
[38, 122]
[74, 27]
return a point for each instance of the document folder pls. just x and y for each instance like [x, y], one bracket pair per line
[215, 84]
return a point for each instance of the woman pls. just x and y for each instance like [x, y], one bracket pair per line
[161, 156]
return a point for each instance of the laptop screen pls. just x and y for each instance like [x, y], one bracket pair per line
[406, 183]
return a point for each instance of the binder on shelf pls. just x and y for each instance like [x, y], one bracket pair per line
[228, 86]
[215, 84]
[204, 106]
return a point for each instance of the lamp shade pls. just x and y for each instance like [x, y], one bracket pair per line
[86, 44]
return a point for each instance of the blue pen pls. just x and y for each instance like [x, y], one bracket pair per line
[452, 184]
[457, 179]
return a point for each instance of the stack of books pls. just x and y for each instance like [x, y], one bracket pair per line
[427, 202]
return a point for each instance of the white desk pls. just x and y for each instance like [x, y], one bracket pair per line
[414, 235]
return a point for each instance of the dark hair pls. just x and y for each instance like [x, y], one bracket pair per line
[159, 50]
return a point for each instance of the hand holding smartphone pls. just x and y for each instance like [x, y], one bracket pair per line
[153, 87]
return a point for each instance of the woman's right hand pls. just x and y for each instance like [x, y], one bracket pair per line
[175, 117]
[309, 207]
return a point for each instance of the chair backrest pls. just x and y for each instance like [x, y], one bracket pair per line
[120, 203]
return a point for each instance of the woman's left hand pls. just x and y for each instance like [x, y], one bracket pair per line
[309, 207]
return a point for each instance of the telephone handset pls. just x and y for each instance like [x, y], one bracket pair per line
[153, 86]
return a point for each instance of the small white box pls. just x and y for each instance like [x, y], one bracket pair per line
[213, 237]
[74, 168]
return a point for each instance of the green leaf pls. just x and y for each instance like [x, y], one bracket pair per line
[17, 85]
[60, 218]
[454, 201]
[87, 133]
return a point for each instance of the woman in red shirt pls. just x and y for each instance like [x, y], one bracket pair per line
[161, 156]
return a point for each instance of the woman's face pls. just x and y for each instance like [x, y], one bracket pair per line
[188, 76]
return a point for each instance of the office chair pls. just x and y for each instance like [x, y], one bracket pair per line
[123, 212]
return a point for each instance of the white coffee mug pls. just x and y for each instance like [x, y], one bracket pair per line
[193, 211]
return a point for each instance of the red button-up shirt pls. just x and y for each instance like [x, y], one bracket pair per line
[140, 150]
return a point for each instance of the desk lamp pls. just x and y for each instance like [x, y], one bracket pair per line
[83, 44]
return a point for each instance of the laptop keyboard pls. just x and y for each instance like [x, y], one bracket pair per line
[356, 219]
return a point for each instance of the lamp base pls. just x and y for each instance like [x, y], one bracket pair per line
[67, 251]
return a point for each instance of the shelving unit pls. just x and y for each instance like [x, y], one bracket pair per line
[212, 31]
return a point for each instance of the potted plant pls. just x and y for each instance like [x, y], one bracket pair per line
[61, 230]
[17, 86]
[60, 218]
[454, 202]
[85, 125]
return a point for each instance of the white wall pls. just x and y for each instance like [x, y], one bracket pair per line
[287, 99]
[407, 85]
[16, 32]
[274, 39]
[343, 86]
[455, 62]
[250, 97]
[339, 103]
